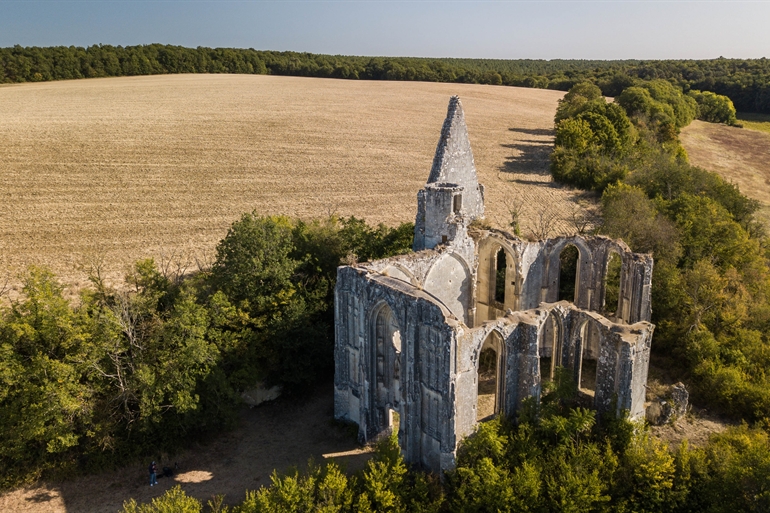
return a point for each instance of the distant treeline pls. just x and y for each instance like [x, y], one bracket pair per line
[745, 81]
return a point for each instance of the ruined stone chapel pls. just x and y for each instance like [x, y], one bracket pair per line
[413, 331]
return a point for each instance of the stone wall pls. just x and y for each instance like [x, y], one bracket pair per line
[533, 274]
[405, 370]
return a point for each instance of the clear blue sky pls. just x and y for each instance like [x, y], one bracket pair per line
[611, 29]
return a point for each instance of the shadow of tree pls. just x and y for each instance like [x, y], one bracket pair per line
[544, 132]
[530, 162]
[41, 497]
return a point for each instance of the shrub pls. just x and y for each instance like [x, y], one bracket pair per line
[174, 500]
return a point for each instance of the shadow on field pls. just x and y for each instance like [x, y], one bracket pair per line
[542, 132]
[281, 435]
[531, 159]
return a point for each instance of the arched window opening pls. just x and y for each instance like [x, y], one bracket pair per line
[612, 284]
[382, 335]
[457, 204]
[589, 354]
[496, 281]
[500, 276]
[488, 383]
[549, 348]
[395, 396]
[568, 273]
[388, 359]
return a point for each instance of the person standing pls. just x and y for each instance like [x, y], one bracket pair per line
[153, 474]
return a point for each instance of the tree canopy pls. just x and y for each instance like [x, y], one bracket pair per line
[711, 282]
[162, 361]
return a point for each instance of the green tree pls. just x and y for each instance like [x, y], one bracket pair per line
[290, 343]
[575, 100]
[631, 216]
[44, 398]
[384, 479]
[254, 268]
[647, 480]
[592, 139]
[714, 108]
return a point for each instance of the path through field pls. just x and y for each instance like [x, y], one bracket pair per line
[119, 169]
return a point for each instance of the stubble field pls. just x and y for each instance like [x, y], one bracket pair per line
[740, 155]
[118, 169]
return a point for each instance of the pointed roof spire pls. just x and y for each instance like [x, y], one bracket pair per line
[453, 196]
[453, 162]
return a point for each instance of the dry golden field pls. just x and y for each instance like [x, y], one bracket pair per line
[740, 155]
[119, 169]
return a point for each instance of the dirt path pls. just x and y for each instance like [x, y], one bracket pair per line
[695, 428]
[272, 436]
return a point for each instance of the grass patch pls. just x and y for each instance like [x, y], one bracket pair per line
[755, 121]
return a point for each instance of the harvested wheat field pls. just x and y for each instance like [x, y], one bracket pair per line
[119, 169]
[740, 155]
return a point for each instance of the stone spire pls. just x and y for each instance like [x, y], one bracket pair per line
[452, 198]
[453, 162]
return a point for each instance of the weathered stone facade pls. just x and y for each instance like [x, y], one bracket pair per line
[410, 330]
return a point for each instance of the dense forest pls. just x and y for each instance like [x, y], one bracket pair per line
[745, 81]
[711, 293]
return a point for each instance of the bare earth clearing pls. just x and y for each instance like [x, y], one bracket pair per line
[696, 426]
[740, 155]
[276, 435]
[119, 169]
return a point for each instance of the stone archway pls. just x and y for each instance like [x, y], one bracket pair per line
[550, 346]
[569, 280]
[587, 358]
[569, 273]
[496, 287]
[612, 280]
[490, 377]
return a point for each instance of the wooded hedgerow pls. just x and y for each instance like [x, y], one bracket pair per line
[745, 81]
